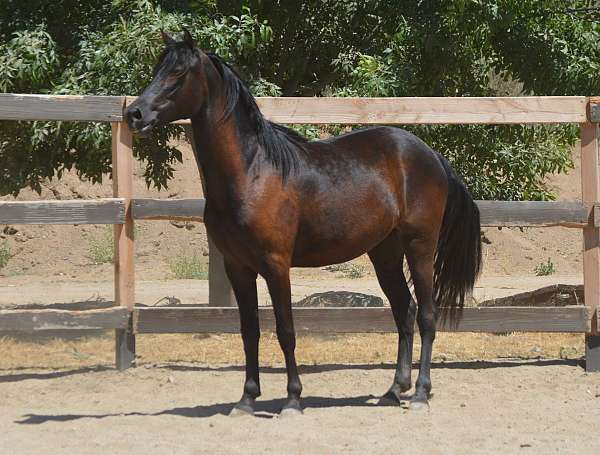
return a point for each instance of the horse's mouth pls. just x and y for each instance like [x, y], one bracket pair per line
[145, 130]
[148, 128]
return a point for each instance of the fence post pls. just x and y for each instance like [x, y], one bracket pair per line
[220, 292]
[591, 240]
[122, 175]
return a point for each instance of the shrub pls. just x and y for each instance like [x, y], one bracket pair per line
[102, 248]
[189, 268]
[4, 254]
[545, 268]
[348, 269]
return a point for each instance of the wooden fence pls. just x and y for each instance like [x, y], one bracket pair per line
[123, 209]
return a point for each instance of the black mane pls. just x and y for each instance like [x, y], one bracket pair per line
[280, 144]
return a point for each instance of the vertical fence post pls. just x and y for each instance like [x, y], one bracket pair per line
[122, 175]
[591, 240]
[220, 292]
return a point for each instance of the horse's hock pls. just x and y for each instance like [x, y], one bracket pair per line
[518, 313]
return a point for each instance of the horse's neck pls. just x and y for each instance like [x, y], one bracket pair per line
[223, 160]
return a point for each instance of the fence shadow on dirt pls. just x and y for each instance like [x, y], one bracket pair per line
[6, 377]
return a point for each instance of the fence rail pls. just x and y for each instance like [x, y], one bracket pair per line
[432, 110]
[365, 320]
[112, 211]
[123, 209]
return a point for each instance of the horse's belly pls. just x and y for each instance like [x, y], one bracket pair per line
[323, 247]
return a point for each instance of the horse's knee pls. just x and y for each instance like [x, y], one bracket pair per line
[427, 322]
[286, 337]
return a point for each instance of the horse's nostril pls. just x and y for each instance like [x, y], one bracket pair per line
[136, 114]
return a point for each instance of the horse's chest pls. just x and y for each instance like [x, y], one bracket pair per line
[246, 234]
[228, 234]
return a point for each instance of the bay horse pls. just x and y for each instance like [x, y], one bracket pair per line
[275, 200]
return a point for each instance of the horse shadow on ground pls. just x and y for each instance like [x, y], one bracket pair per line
[266, 409]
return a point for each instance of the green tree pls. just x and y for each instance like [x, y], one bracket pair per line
[328, 47]
[112, 60]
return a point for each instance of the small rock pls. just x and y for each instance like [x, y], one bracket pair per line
[178, 224]
[536, 349]
[170, 379]
[9, 230]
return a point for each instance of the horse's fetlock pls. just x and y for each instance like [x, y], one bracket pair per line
[424, 385]
[294, 388]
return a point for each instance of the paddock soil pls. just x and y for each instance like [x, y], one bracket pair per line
[478, 407]
[511, 393]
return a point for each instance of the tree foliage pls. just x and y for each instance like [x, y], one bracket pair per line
[331, 47]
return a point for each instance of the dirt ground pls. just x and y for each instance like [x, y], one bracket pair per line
[513, 392]
[478, 407]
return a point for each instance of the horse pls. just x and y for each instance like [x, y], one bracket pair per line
[275, 200]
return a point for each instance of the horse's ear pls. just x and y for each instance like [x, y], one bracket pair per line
[167, 39]
[188, 39]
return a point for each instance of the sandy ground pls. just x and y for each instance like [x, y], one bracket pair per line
[22, 291]
[479, 407]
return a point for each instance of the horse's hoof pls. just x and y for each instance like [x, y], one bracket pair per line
[287, 413]
[389, 399]
[242, 411]
[419, 405]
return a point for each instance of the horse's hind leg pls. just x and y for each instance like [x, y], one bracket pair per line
[420, 254]
[243, 282]
[388, 259]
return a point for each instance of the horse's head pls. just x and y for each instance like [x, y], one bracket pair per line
[178, 89]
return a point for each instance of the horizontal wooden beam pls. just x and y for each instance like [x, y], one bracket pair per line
[78, 211]
[536, 213]
[493, 213]
[61, 107]
[111, 211]
[323, 110]
[423, 110]
[34, 320]
[168, 209]
[431, 110]
[357, 320]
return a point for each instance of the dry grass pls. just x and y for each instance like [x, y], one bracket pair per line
[313, 349]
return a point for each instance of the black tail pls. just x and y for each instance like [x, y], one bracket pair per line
[458, 258]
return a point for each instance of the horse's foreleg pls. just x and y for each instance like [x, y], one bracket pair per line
[278, 281]
[420, 256]
[243, 282]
